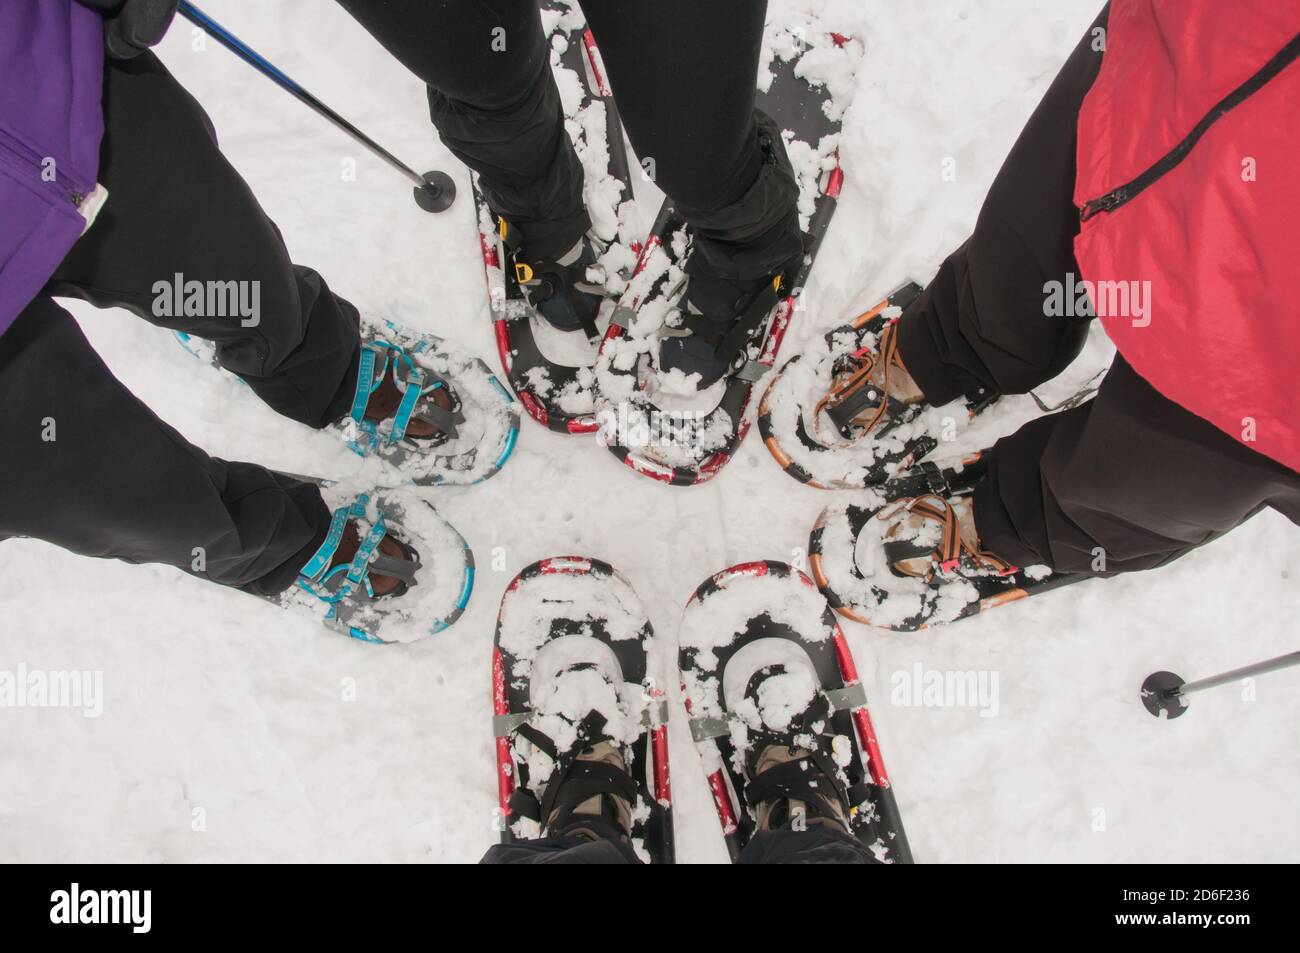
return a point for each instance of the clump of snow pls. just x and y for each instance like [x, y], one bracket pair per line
[715, 622]
[781, 697]
[538, 602]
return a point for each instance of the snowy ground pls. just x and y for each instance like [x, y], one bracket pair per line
[216, 701]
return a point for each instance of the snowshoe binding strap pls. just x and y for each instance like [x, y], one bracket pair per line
[574, 781]
[945, 559]
[730, 339]
[855, 403]
[438, 408]
[334, 583]
[811, 779]
[544, 280]
[810, 776]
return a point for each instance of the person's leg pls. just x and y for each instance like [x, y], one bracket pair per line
[1128, 476]
[561, 850]
[982, 322]
[176, 207]
[494, 101]
[817, 844]
[684, 75]
[88, 467]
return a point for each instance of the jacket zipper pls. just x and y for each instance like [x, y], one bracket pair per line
[1131, 190]
[26, 162]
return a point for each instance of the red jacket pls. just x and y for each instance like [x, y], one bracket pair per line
[1214, 228]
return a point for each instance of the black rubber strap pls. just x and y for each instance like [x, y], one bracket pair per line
[735, 340]
[811, 779]
[897, 550]
[865, 398]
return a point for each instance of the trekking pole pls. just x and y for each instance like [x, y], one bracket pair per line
[434, 191]
[1166, 692]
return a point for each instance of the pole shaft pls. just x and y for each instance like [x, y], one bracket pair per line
[268, 69]
[1259, 668]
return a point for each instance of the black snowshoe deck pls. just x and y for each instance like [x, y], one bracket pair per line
[646, 758]
[874, 817]
[799, 108]
[539, 381]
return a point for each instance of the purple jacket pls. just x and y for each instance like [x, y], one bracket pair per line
[51, 122]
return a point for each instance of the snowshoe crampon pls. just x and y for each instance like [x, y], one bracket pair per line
[652, 423]
[569, 667]
[466, 423]
[894, 558]
[828, 421]
[400, 537]
[548, 368]
[766, 620]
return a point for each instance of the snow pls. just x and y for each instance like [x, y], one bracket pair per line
[285, 742]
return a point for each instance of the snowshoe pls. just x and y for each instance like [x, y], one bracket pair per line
[903, 557]
[547, 314]
[763, 663]
[390, 569]
[432, 413]
[654, 415]
[860, 428]
[581, 729]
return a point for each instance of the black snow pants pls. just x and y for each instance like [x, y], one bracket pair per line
[89, 467]
[816, 845]
[683, 75]
[1126, 481]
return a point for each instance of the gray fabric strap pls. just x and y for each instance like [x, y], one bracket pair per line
[840, 699]
[848, 698]
[655, 714]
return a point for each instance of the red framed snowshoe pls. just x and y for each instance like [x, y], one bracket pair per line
[687, 439]
[765, 620]
[556, 394]
[569, 668]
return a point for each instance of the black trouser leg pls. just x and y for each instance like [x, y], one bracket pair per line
[818, 844]
[981, 323]
[88, 467]
[561, 850]
[493, 99]
[684, 75]
[176, 206]
[1127, 481]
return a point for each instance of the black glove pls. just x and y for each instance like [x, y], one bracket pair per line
[132, 26]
